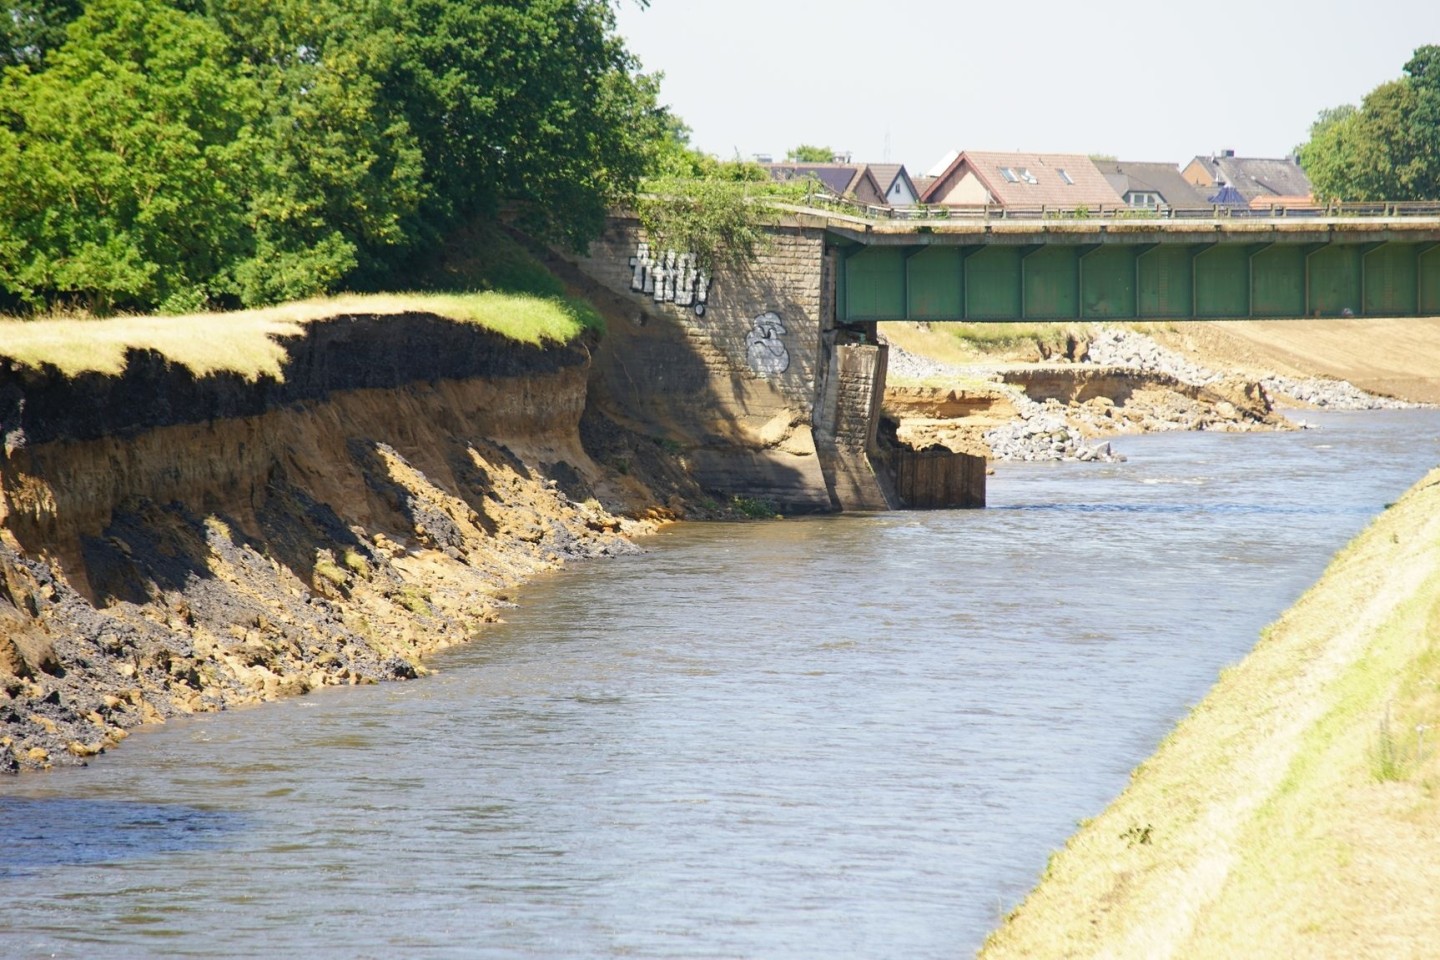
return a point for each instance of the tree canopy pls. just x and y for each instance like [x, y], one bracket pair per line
[173, 153]
[1386, 149]
[809, 153]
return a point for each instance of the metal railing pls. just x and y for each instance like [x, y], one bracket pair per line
[923, 212]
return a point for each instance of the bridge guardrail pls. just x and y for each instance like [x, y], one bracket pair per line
[922, 212]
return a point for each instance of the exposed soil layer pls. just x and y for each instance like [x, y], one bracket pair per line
[343, 353]
[1393, 358]
[173, 544]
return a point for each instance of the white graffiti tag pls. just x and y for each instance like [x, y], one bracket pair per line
[670, 278]
[764, 348]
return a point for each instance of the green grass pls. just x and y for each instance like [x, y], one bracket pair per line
[754, 509]
[482, 276]
[991, 337]
[246, 341]
[326, 569]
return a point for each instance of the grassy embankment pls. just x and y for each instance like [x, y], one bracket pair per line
[501, 288]
[244, 341]
[1296, 811]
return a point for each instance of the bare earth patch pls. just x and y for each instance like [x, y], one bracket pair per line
[1398, 358]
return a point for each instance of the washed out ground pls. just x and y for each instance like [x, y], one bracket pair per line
[1057, 391]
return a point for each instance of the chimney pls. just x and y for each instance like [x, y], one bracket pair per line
[1227, 153]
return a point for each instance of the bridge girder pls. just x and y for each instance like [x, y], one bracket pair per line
[1237, 270]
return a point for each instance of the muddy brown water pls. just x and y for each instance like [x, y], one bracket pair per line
[855, 736]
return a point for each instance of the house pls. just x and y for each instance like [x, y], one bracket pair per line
[1261, 182]
[895, 184]
[850, 181]
[1152, 185]
[1059, 181]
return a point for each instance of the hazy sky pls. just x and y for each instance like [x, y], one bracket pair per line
[907, 80]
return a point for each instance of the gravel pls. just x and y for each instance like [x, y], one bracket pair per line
[1049, 431]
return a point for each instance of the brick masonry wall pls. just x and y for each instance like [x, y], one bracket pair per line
[741, 368]
[765, 322]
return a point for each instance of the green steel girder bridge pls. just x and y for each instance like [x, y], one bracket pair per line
[1257, 265]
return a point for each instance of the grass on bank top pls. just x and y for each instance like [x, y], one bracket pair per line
[245, 341]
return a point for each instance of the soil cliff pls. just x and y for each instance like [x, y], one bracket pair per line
[172, 543]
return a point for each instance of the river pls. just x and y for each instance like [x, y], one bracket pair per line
[854, 736]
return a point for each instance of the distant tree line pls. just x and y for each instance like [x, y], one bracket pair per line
[176, 154]
[1388, 148]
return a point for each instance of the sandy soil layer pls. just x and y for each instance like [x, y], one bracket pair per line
[1397, 358]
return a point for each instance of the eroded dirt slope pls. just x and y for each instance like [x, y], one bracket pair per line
[153, 568]
[1396, 357]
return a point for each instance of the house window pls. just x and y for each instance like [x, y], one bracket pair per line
[1139, 198]
[1009, 175]
[1027, 176]
[1065, 176]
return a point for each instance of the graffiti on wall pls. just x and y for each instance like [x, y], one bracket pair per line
[764, 348]
[670, 278]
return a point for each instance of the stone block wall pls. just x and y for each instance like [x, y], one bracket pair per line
[765, 321]
[741, 369]
[848, 415]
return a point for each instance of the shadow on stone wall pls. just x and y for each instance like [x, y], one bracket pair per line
[667, 400]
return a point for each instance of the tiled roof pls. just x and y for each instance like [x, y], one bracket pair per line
[1059, 180]
[1259, 179]
[1161, 178]
[888, 174]
[885, 174]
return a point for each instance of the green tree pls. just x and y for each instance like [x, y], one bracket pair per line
[529, 107]
[336, 178]
[809, 153]
[1328, 156]
[1389, 148]
[182, 151]
[119, 163]
[30, 30]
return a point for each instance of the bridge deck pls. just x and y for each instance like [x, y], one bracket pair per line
[1059, 268]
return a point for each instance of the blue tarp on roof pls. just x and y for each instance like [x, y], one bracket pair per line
[1228, 196]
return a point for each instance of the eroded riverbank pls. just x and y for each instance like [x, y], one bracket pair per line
[175, 543]
[749, 740]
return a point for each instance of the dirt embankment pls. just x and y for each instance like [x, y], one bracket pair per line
[1028, 399]
[1392, 358]
[170, 544]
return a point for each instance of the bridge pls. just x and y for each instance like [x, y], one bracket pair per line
[1361, 261]
[771, 378]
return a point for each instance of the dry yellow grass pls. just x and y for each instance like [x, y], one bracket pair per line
[1266, 825]
[245, 341]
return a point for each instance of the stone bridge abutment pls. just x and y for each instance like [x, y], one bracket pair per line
[746, 370]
